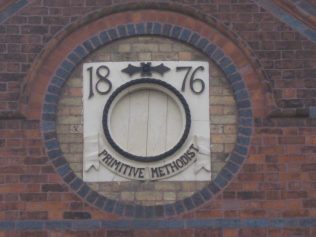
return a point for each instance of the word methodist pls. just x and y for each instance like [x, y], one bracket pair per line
[155, 171]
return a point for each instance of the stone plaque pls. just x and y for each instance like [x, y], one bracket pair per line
[146, 121]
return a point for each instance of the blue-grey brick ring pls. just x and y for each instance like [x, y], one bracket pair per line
[144, 81]
[209, 49]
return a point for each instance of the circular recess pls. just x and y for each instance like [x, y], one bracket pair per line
[146, 122]
[145, 99]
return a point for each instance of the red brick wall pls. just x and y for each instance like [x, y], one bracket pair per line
[25, 34]
[277, 182]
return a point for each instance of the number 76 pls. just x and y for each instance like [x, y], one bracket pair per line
[193, 80]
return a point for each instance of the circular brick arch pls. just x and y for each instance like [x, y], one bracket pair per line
[58, 65]
[222, 36]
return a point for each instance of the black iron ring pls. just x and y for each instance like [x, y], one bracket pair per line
[161, 156]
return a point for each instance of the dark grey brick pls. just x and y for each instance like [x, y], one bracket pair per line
[48, 126]
[59, 82]
[179, 206]
[213, 188]
[233, 168]
[194, 38]
[116, 224]
[243, 104]
[54, 154]
[210, 49]
[59, 162]
[205, 193]
[51, 98]
[149, 211]
[243, 140]
[245, 131]
[188, 203]
[241, 95]
[218, 55]
[229, 70]
[185, 35]
[175, 32]
[119, 208]
[109, 205]
[49, 135]
[131, 29]
[11, 9]
[245, 121]
[83, 191]
[62, 73]
[122, 31]
[245, 113]
[202, 43]
[226, 174]
[220, 181]
[96, 41]
[312, 111]
[166, 29]
[49, 117]
[29, 225]
[88, 45]
[224, 62]
[7, 225]
[63, 170]
[241, 149]
[100, 202]
[104, 37]
[238, 159]
[86, 225]
[129, 210]
[159, 211]
[169, 209]
[58, 225]
[197, 199]
[92, 196]
[53, 89]
[76, 215]
[76, 184]
[52, 144]
[139, 211]
[238, 86]
[157, 28]
[69, 177]
[67, 66]
[81, 53]
[73, 58]
[149, 28]
[140, 29]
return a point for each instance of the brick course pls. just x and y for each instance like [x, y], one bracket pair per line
[272, 194]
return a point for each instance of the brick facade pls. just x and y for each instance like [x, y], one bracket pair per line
[267, 185]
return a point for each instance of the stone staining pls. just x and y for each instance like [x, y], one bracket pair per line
[223, 118]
